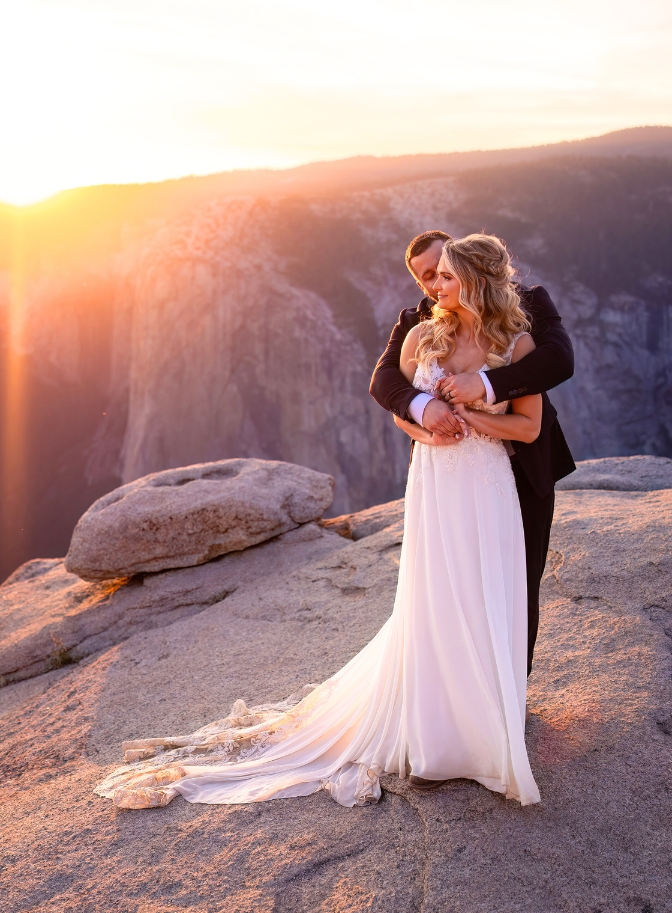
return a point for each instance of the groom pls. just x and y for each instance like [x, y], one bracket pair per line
[536, 466]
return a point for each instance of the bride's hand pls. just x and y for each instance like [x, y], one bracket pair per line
[461, 388]
[462, 413]
[444, 440]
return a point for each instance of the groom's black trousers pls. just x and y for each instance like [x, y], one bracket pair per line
[537, 519]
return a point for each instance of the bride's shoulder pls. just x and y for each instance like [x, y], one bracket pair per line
[412, 339]
[522, 345]
[415, 331]
[407, 361]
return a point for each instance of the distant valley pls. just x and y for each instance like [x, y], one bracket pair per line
[242, 315]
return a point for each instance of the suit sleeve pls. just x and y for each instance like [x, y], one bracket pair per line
[389, 387]
[551, 363]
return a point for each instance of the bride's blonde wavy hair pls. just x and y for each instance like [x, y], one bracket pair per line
[482, 266]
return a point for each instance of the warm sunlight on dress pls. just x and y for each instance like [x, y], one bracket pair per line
[439, 692]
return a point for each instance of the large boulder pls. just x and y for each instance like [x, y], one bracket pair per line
[184, 517]
[633, 473]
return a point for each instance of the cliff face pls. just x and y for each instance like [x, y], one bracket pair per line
[598, 237]
[256, 324]
[229, 355]
[249, 326]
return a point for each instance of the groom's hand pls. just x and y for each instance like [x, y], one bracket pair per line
[439, 418]
[463, 388]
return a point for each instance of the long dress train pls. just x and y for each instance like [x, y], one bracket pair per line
[439, 692]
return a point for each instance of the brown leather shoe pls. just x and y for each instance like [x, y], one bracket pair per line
[421, 783]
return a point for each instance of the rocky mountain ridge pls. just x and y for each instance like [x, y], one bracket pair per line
[248, 325]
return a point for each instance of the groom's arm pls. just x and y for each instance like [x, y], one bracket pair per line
[551, 363]
[389, 387]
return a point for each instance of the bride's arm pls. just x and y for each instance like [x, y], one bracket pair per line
[422, 436]
[407, 363]
[407, 366]
[523, 423]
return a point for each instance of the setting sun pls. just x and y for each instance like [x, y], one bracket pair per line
[119, 91]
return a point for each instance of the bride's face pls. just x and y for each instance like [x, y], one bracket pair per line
[447, 288]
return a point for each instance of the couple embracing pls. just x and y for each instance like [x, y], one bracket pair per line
[439, 693]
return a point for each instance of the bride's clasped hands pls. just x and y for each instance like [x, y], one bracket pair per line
[440, 438]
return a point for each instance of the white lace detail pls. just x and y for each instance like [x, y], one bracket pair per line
[481, 450]
[486, 454]
[246, 734]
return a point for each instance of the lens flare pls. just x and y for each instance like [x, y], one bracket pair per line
[14, 407]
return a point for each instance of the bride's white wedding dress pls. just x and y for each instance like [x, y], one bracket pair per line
[439, 692]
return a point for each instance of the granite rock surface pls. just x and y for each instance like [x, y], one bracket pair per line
[633, 473]
[187, 516]
[366, 522]
[298, 607]
[50, 618]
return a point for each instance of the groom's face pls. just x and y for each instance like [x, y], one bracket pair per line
[424, 268]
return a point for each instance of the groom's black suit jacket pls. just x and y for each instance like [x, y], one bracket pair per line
[545, 460]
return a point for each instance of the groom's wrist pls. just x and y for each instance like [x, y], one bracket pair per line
[417, 406]
[489, 392]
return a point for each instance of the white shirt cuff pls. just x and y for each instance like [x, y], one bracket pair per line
[489, 392]
[417, 406]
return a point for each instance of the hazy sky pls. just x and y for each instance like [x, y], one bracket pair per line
[99, 91]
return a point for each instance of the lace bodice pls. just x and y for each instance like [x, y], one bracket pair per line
[426, 380]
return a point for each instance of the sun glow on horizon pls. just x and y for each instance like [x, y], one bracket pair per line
[13, 442]
[127, 91]
[150, 176]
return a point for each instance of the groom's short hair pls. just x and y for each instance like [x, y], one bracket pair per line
[420, 243]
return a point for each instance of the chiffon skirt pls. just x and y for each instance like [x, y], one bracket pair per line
[439, 692]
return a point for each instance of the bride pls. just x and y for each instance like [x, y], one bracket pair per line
[439, 692]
